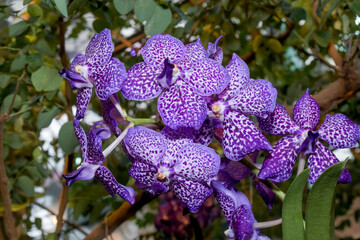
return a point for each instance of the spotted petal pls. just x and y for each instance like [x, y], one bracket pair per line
[306, 112]
[257, 98]
[207, 77]
[85, 172]
[141, 83]
[265, 192]
[241, 136]
[243, 222]
[81, 137]
[181, 107]
[82, 101]
[339, 131]
[279, 163]
[107, 107]
[197, 163]
[109, 78]
[239, 76]
[159, 47]
[193, 53]
[100, 49]
[94, 149]
[278, 122]
[321, 160]
[145, 144]
[191, 194]
[205, 134]
[214, 51]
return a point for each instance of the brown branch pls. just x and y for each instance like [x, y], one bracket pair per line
[122, 39]
[119, 216]
[67, 222]
[131, 40]
[322, 59]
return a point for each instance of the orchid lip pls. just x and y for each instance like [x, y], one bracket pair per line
[308, 138]
[169, 75]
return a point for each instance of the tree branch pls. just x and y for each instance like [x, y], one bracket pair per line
[137, 37]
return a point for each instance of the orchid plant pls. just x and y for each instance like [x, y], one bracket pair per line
[198, 97]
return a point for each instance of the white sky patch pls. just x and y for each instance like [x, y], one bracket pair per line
[343, 154]
[302, 22]
[357, 20]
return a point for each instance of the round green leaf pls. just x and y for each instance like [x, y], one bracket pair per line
[323, 37]
[26, 185]
[319, 204]
[159, 22]
[67, 138]
[46, 116]
[13, 140]
[46, 79]
[144, 9]
[124, 6]
[292, 214]
[7, 102]
[274, 45]
[34, 10]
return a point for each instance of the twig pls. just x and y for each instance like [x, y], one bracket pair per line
[322, 59]
[65, 221]
[132, 40]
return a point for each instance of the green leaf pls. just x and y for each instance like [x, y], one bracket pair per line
[144, 9]
[320, 204]
[18, 63]
[297, 14]
[13, 140]
[7, 102]
[225, 3]
[67, 138]
[345, 23]
[18, 28]
[34, 172]
[274, 45]
[4, 80]
[26, 185]
[34, 61]
[292, 214]
[124, 6]
[323, 37]
[61, 5]
[159, 22]
[46, 116]
[100, 24]
[46, 79]
[26, 2]
[34, 10]
[43, 47]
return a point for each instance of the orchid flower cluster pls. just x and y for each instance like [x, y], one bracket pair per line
[198, 99]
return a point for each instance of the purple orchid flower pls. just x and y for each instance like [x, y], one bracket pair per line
[237, 210]
[170, 160]
[183, 75]
[92, 166]
[232, 172]
[108, 110]
[337, 130]
[241, 97]
[95, 69]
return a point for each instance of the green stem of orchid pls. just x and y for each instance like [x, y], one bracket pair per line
[141, 121]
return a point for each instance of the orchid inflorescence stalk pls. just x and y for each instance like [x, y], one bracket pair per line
[197, 97]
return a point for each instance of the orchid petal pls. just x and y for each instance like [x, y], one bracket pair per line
[76, 80]
[180, 107]
[257, 98]
[197, 163]
[306, 112]
[141, 83]
[145, 144]
[193, 52]
[278, 122]
[82, 101]
[239, 76]
[159, 47]
[85, 172]
[100, 49]
[265, 192]
[107, 107]
[94, 149]
[339, 131]
[214, 51]
[207, 77]
[191, 194]
[205, 134]
[321, 160]
[81, 137]
[243, 222]
[279, 163]
[241, 136]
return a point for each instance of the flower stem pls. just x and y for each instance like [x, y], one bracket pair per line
[141, 121]
[261, 225]
[113, 145]
[118, 107]
[301, 164]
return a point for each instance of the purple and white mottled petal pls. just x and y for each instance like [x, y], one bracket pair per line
[239, 76]
[279, 163]
[278, 122]
[146, 145]
[107, 179]
[85, 172]
[205, 134]
[79, 59]
[197, 163]
[102, 132]
[191, 194]
[241, 136]
[321, 160]
[94, 150]
[141, 83]
[82, 101]
[214, 51]
[81, 137]
[193, 53]
[108, 78]
[107, 107]
[175, 140]
[181, 107]
[306, 112]
[339, 131]
[207, 77]
[159, 47]
[257, 98]
[243, 222]
[100, 49]
[265, 192]
[76, 80]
